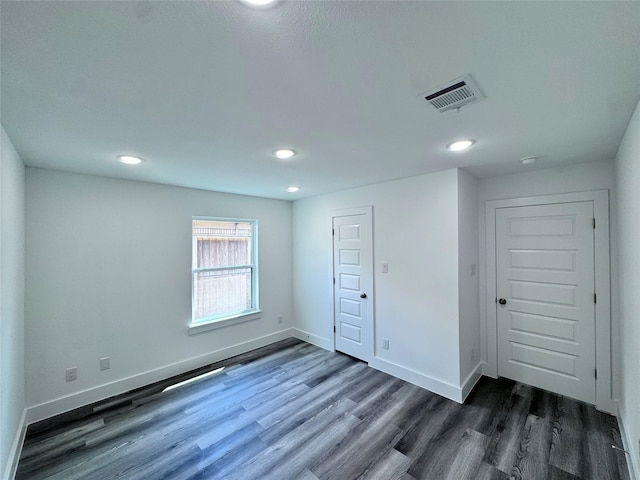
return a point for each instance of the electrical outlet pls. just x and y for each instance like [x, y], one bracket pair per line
[385, 344]
[280, 319]
[105, 363]
[71, 374]
[385, 268]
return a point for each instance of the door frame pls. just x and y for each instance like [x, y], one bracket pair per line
[345, 212]
[600, 199]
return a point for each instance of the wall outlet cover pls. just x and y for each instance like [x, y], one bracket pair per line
[105, 363]
[71, 374]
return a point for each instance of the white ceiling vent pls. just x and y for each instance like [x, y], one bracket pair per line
[454, 94]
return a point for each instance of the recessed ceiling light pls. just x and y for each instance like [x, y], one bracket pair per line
[258, 3]
[130, 160]
[528, 160]
[284, 153]
[293, 189]
[460, 145]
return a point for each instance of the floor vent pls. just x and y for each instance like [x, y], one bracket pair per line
[454, 94]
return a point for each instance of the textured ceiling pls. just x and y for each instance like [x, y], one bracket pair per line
[204, 91]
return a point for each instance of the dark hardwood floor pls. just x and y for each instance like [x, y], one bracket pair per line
[294, 411]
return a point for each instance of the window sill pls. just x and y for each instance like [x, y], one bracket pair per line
[195, 328]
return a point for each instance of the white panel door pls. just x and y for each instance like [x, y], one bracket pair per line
[353, 284]
[545, 304]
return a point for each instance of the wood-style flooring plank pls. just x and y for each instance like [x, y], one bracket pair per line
[49, 449]
[392, 465]
[428, 421]
[230, 461]
[568, 448]
[363, 445]
[489, 472]
[506, 438]
[533, 452]
[601, 433]
[322, 431]
[284, 417]
[554, 473]
[469, 455]
[307, 475]
[444, 444]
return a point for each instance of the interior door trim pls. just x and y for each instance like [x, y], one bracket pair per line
[600, 199]
[345, 212]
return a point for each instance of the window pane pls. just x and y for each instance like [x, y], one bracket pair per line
[223, 252]
[221, 291]
[221, 244]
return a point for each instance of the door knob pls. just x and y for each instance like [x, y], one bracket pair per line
[502, 301]
[363, 295]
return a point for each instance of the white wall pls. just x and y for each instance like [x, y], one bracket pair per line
[628, 178]
[468, 279]
[416, 303]
[12, 401]
[574, 178]
[108, 273]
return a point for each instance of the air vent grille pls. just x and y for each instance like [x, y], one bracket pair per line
[454, 94]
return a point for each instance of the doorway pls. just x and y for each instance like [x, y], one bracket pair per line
[545, 291]
[353, 282]
[515, 335]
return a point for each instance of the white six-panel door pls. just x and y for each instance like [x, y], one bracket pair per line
[353, 284]
[545, 297]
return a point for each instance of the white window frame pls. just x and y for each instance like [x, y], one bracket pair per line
[231, 318]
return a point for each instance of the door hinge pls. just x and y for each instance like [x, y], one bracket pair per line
[334, 329]
[594, 222]
[334, 281]
[595, 298]
[333, 231]
[595, 373]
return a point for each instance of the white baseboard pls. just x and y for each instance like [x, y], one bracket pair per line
[607, 405]
[434, 385]
[633, 460]
[321, 342]
[447, 390]
[488, 371]
[16, 448]
[471, 381]
[64, 404]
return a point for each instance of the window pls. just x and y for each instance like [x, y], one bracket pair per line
[224, 269]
